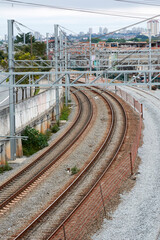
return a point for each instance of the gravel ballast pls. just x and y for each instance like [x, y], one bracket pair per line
[16, 218]
[138, 215]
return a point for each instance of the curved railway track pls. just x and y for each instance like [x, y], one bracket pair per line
[12, 190]
[57, 212]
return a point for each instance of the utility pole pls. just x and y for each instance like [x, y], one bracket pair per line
[47, 46]
[61, 50]
[31, 46]
[66, 75]
[56, 70]
[90, 51]
[24, 38]
[150, 60]
[11, 90]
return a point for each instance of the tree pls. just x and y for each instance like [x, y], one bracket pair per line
[20, 38]
[95, 40]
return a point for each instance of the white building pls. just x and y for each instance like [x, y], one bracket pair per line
[90, 31]
[105, 30]
[100, 30]
[154, 26]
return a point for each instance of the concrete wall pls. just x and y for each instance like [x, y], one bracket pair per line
[37, 111]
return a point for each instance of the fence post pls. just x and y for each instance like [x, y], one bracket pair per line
[142, 110]
[131, 163]
[102, 199]
[64, 232]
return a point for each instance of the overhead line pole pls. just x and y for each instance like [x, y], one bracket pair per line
[56, 70]
[11, 91]
[47, 47]
[150, 59]
[66, 76]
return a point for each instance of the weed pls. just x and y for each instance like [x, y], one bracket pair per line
[5, 167]
[34, 142]
[65, 113]
[55, 128]
[74, 170]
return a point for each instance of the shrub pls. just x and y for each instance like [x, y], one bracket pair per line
[34, 142]
[74, 170]
[65, 113]
[5, 167]
[55, 128]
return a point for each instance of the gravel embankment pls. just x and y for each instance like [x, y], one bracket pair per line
[138, 215]
[47, 189]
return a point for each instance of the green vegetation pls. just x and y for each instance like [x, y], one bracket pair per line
[122, 40]
[95, 40]
[74, 170]
[34, 142]
[37, 89]
[37, 140]
[5, 167]
[20, 38]
[55, 128]
[65, 113]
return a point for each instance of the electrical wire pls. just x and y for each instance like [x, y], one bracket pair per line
[141, 3]
[68, 9]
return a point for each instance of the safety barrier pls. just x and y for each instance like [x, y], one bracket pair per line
[93, 207]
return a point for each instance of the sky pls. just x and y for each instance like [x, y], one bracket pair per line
[42, 19]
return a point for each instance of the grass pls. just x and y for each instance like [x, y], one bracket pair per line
[55, 128]
[37, 89]
[65, 113]
[74, 170]
[4, 168]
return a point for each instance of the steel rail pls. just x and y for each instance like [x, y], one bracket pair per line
[99, 179]
[99, 152]
[29, 183]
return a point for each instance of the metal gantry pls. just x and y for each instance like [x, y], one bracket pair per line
[78, 64]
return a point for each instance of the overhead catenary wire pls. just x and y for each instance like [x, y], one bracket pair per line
[141, 3]
[69, 9]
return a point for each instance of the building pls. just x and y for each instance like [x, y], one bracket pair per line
[100, 30]
[154, 26]
[90, 31]
[105, 31]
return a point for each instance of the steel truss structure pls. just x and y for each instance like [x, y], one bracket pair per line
[75, 65]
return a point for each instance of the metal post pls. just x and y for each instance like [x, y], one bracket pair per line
[131, 163]
[31, 46]
[66, 75]
[24, 38]
[150, 60]
[11, 91]
[90, 52]
[47, 46]
[102, 199]
[56, 70]
[64, 232]
[61, 50]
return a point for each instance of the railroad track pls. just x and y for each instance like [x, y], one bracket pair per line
[19, 185]
[47, 224]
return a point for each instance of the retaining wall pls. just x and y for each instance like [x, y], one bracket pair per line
[37, 111]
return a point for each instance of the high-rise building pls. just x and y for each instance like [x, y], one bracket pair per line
[105, 30]
[153, 25]
[100, 30]
[90, 30]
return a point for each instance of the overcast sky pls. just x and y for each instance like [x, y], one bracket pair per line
[43, 19]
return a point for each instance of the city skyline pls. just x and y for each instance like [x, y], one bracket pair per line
[75, 21]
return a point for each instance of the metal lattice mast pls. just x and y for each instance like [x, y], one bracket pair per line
[150, 59]
[66, 76]
[11, 91]
[56, 70]
[47, 47]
